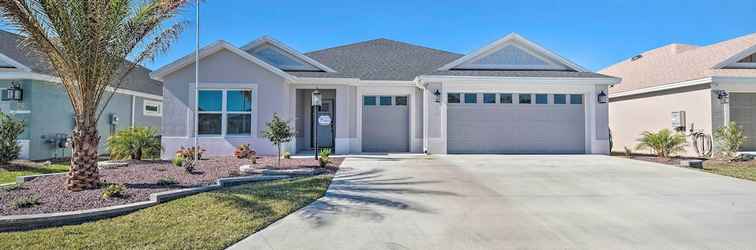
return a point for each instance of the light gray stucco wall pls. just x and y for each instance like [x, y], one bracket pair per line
[141, 120]
[602, 116]
[223, 67]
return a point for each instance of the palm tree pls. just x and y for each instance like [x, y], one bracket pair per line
[87, 44]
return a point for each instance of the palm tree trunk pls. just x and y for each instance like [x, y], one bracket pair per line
[83, 173]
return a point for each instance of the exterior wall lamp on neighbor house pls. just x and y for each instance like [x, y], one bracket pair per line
[723, 97]
[602, 97]
[437, 95]
[13, 93]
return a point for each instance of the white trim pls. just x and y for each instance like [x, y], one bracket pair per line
[735, 58]
[742, 65]
[683, 84]
[133, 110]
[48, 78]
[134, 93]
[523, 80]
[14, 63]
[269, 40]
[551, 64]
[146, 112]
[329, 81]
[513, 38]
[224, 88]
[210, 50]
[18, 112]
[24, 152]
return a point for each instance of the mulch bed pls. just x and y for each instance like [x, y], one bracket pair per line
[141, 180]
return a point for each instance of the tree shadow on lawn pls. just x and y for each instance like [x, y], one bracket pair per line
[363, 194]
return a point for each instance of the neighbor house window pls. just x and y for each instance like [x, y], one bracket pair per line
[385, 101]
[489, 98]
[471, 98]
[524, 98]
[400, 100]
[576, 99]
[505, 98]
[368, 100]
[542, 99]
[560, 99]
[232, 117]
[239, 112]
[453, 98]
[210, 112]
[152, 108]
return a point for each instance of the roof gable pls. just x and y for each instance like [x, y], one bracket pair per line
[513, 52]
[283, 57]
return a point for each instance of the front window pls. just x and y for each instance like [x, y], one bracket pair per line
[152, 108]
[236, 112]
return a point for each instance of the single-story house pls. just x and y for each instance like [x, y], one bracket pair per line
[46, 110]
[685, 87]
[510, 96]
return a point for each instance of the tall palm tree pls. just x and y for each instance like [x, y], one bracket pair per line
[87, 44]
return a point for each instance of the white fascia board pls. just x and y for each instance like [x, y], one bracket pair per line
[284, 47]
[386, 83]
[210, 50]
[319, 80]
[735, 58]
[15, 63]
[516, 38]
[689, 83]
[532, 80]
[54, 79]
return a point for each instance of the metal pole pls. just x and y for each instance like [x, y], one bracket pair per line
[316, 108]
[196, 82]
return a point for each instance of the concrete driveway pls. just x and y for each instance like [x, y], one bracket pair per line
[504, 202]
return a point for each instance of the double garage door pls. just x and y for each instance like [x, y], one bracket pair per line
[385, 124]
[515, 123]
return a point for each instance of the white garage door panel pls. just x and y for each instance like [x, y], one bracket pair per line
[385, 129]
[513, 128]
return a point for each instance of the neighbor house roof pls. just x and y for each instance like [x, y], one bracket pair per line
[380, 59]
[139, 79]
[675, 63]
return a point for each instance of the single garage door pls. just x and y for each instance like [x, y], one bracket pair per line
[743, 113]
[385, 124]
[515, 123]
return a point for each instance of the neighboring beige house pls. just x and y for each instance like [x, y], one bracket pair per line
[711, 84]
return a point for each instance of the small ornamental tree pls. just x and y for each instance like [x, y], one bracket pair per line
[9, 130]
[729, 138]
[278, 132]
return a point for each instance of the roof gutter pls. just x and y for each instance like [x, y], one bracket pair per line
[706, 80]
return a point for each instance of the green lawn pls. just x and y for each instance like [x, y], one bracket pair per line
[9, 176]
[744, 170]
[212, 220]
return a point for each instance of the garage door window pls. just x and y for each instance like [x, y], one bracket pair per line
[576, 99]
[542, 99]
[368, 100]
[400, 101]
[489, 98]
[385, 101]
[505, 98]
[525, 98]
[560, 99]
[453, 98]
[471, 98]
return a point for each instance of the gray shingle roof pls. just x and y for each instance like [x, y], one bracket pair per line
[383, 59]
[518, 73]
[138, 80]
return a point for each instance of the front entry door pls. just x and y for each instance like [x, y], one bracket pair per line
[325, 132]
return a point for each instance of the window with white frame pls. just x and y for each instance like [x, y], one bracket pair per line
[224, 112]
[152, 108]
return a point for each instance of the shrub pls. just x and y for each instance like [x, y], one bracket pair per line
[325, 157]
[188, 153]
[167, 181]
[10, 129]
[244, 152]
[189, 166]
[287, 155]
[11, 187]
[114, 190]
[25, 202]
[178, 161]
[729, 139]
[135, 144]
[664, 143]
[278, 132]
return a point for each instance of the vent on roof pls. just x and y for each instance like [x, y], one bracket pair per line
[636, 57]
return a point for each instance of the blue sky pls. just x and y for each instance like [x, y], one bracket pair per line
[594, 34]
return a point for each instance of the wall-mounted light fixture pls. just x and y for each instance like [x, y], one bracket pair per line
[602, 97]
[723, 96]
[13, 93]
[437, 95]
[316, 98]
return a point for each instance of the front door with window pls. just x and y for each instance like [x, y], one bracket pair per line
[324, 132]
